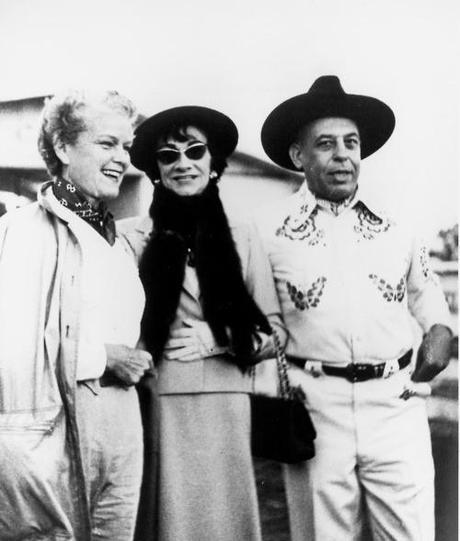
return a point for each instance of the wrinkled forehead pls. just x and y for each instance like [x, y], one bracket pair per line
[184, 133]
[328, 126]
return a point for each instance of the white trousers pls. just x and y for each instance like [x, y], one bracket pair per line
[373, 455]
[35, 500]
[110, 431]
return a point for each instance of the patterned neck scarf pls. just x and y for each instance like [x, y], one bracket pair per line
[99, 218]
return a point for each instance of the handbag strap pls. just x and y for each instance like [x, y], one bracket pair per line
[286, 390]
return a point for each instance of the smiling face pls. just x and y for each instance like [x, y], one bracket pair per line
[329, 152]
[98, 160]
[189, 173]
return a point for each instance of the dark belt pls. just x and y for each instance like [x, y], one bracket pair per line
[354, 372]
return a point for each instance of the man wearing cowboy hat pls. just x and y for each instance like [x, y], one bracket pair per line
[348, 277]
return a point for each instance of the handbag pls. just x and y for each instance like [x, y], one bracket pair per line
[281, 427]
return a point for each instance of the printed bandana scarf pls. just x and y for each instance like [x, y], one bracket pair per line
[99, 218]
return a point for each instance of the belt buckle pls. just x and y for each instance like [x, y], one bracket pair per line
[314, 367]
[359, 372]
[391, 367]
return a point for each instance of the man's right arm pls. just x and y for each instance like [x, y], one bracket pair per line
[429, 307]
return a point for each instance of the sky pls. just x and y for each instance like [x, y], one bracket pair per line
[244, 57]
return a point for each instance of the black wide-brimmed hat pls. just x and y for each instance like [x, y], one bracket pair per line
[326, 98]
[219, 128]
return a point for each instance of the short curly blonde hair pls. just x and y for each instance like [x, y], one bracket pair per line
[63, 120]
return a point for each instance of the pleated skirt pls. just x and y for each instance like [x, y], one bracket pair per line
[206, 479]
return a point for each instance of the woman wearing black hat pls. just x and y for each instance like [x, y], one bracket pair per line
[210, 303]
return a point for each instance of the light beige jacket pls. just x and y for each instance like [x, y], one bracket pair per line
[40, 276]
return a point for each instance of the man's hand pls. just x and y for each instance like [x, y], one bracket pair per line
[127, 364]
[191, 342]
[434, 353]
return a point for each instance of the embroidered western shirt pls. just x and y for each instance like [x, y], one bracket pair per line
[348, 278]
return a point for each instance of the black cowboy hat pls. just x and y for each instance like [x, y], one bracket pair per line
[326, 98]
[220, 130]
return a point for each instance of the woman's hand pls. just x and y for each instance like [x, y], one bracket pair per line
[191, 342]
[127, 364]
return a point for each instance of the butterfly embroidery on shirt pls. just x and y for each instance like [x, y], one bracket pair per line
[369, 225]
[306, 299]
[295, 227]
[390, 293]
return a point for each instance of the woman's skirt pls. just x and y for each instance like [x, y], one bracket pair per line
[206, 480]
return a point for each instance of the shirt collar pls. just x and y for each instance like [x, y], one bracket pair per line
[305, 202]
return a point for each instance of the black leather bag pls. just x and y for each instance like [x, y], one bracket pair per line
[281, 426]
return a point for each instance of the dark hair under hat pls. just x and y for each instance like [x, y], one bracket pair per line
[219, 128]
[326, 98]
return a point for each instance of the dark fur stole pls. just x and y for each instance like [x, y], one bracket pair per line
[196, 228]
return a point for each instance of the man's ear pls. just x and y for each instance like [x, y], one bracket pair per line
[60, 149]
[294, 154]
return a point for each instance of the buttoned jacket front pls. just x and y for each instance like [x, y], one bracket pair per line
[214, 373]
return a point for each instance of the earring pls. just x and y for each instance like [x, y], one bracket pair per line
[156, 181]
[213, 175]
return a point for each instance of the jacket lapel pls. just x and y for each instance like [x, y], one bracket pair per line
[190, 284]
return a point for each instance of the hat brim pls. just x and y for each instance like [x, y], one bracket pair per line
[375, 121]
[219, 128]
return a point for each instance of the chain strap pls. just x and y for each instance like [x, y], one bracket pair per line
[286, 390]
